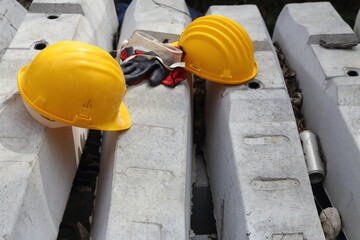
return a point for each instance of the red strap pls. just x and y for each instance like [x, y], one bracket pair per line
[127, 52]
[138, 52]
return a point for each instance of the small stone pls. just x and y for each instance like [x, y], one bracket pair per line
[330, 222]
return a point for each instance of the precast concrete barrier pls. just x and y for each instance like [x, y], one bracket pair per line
[162, 19]
[100, 15]
[317, 44]
[258, 176]
[144, 186]
[11, 16]
[37, 164]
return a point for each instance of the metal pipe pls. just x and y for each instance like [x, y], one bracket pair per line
[312, 157]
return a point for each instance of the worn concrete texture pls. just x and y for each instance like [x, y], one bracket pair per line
[144, 185]
[11, 16]
[100, 15]
[65, 27]
[33, 156]
[329, 79]
[171, 17]
[257, 170]
[37, 164]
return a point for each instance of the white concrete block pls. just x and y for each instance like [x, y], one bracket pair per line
[326, 25]
[357, 24]
[345, 61]
[144, 186]
[329, 79]
[150, 195]
[257, 170]
[45, 160]
[101, 16]
[59, 6]
[10, 67]
[37, 28]
[11, 16]
[37, 165]
[162, 19]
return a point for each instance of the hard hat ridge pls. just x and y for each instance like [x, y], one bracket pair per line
[218, 49]
[76, 84]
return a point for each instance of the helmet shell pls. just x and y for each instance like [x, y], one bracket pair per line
[218, 49]
[76, 84]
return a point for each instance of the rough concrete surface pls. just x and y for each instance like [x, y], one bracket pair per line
[38, 164]
[11, 16]
[100, 15]
[329, 79]
[257, 171]
[162, 19]
[38, 28]
[145, 181]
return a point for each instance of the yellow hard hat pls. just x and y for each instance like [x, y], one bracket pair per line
[76, 84]
[218, 49]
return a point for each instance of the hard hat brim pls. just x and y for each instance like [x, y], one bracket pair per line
[122, 121]
[227, 81]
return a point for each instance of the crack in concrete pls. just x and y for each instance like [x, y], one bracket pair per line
[3, 15]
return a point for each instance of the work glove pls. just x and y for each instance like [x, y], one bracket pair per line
[142, 66]
[174, 77]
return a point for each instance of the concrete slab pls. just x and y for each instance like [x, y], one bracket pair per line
[144, 186]
[101, 16]
[162, 19]
[11, 16]
[257, 171]
[329, 79]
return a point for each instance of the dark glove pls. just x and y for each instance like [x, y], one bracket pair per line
[141, 67]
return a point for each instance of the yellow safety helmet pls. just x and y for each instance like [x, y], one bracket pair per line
[218, 49]
[76, 84]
